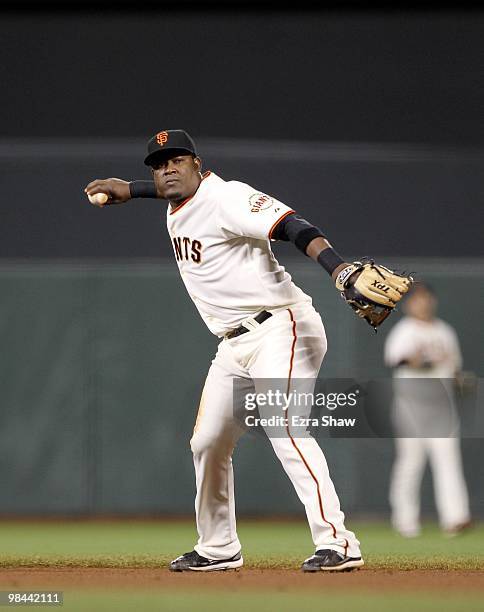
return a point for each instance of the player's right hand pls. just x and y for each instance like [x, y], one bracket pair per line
[116, 189]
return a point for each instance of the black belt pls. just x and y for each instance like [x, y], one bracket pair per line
[260, 318]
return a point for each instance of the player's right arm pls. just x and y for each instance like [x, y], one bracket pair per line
[120, 191]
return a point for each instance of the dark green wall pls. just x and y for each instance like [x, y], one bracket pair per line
[102, 366]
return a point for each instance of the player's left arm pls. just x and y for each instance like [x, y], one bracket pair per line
[371, 290]
[311, 241]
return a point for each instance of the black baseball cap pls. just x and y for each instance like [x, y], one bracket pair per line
[167, 143]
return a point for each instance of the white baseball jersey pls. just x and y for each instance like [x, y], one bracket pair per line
[221, 240]
[435, 340]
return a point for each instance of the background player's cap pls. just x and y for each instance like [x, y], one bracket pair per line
[166, 143]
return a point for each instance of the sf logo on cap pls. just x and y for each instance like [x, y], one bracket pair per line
[161, 138]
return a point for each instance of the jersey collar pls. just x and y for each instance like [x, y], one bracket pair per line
[204, 176]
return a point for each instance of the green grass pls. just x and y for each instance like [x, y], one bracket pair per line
[269, 601]
[265, 544]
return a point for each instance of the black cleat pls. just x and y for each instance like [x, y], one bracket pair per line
[331, 561]
[195, 562]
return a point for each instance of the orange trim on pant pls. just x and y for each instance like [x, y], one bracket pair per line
[291, 363]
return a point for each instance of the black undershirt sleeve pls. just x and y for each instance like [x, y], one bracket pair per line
[142, 189]
[294, 228]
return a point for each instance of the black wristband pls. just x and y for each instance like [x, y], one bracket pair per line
[330, 260]
[142, 189]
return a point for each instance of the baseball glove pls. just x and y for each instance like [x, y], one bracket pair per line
[372, 290]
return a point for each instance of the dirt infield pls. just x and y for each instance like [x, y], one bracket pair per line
[277, 580]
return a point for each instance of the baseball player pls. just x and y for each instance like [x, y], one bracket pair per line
[422, 348]
[221, 232]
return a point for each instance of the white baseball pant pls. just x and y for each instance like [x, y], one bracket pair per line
[288, 346]
[450, 489]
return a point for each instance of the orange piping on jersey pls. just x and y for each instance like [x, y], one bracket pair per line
[291, 363]
[289, 212]
[204, 176]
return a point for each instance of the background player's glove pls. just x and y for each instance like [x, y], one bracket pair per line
[372, 290]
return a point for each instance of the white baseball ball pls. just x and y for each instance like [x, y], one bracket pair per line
[98, 198]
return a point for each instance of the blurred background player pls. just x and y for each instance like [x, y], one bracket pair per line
[424, 352]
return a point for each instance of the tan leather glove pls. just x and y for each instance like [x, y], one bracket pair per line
[372, 290]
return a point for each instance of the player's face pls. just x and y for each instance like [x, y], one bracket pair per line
[422, 305]
[177, 178]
